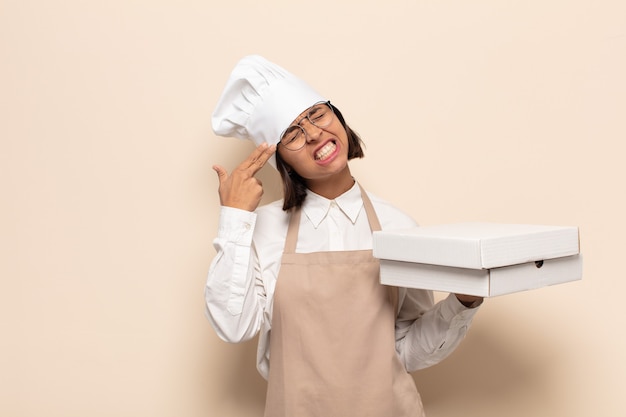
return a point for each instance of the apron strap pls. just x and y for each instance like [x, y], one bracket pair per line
[369, 210]
[294, 222]
[292, 231]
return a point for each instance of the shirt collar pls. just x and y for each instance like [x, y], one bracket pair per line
[316, 207]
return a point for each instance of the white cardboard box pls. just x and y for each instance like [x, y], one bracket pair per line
[485, 259]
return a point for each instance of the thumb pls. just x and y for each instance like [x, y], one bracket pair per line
[221, 173]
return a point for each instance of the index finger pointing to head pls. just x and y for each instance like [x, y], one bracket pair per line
[261, 157]
[256, 153]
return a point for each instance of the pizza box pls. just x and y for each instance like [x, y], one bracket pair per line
[483, 259]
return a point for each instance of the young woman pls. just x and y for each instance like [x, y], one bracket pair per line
[333, 340]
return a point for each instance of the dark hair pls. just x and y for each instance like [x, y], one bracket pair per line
[294, 186]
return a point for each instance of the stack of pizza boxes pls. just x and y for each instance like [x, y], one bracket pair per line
[482, 259]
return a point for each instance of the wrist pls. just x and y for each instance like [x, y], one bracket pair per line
[469, 301]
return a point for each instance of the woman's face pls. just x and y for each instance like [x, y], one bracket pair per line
[325, 153]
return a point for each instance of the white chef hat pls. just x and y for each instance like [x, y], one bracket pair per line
[260, 100]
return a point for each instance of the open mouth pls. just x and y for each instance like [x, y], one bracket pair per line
[325, 151]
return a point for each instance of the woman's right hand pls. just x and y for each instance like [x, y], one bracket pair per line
[241, 189]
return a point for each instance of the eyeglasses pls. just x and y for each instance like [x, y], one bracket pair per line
[320, 115]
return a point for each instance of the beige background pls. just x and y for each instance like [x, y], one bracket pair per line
[508, 111]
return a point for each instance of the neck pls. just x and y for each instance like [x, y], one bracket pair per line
[334, 186]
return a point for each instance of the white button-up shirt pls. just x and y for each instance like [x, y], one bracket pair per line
[242, 277]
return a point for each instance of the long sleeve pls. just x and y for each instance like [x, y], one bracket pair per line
[234, 295]
[427, 334]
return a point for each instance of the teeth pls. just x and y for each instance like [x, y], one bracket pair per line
[325, 151]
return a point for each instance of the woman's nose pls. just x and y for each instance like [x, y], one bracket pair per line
[312, 132]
